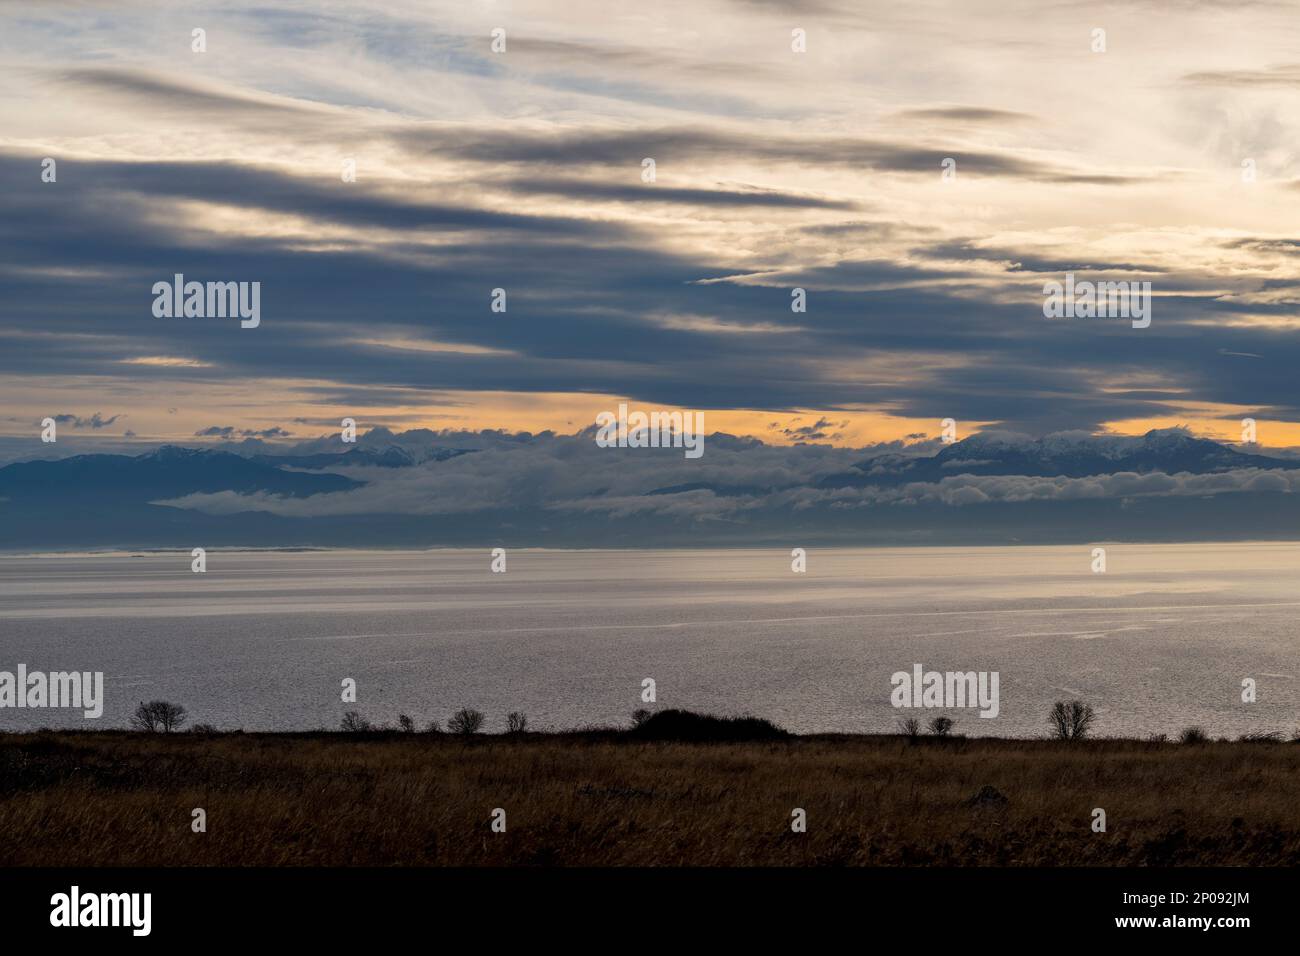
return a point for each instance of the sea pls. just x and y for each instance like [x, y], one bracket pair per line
[1157, 639]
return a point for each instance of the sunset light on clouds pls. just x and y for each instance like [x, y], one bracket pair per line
[774, 169]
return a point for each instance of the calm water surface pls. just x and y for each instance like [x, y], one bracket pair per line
[262, 640]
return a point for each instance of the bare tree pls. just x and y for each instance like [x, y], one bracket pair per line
[1193, 735]
[158, 716]
[465, 721]
[1071, 720]
[405, 724]
[910, 727]
[516, 722]
[354, 723]
[941, 726]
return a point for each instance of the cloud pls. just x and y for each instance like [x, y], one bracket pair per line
[522, 172]
[966, 114]
[1285, 76]
[735, 478]
[229, 431]
[95, 421]
[579, 148]
[818, 430]
[182, 98]
[596, 190]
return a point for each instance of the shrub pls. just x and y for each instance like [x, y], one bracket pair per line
[1193, 735]
[405, 724]
[1261, 737]
[688, 726]
[640, 716]
[910, 727]
[516, 722]
[465, 721]
[1071, 720]
[203, 729]
[354, 723]
[941, 726]
[433, 727]
[158, 716]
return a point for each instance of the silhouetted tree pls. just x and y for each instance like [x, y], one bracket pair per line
[909, 726]
[158, 716]
[1071, 720]
[640, 716]
[941, 726]
[405, 724]
[354, 723]
[465, 721]
[516, 722]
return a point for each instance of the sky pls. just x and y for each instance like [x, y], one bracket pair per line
[524, 170]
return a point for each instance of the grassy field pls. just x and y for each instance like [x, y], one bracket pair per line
[602, 799]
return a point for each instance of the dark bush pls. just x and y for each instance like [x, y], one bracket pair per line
[687, 726]
[466, 721]
[941, 726]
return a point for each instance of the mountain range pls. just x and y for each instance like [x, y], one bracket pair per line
[1170, 451]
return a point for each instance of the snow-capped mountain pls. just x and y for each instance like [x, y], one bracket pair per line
[1072, 455]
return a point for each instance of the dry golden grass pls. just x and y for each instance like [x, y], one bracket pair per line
[112, 798]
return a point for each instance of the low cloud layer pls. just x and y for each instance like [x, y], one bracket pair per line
[735, 478]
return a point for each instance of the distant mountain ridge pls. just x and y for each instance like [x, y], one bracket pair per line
[391, 456]
[173, 472]
[1168, 450]
[168, 472]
